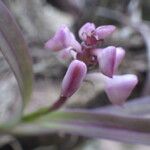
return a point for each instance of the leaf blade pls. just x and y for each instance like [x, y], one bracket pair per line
[15, 51]
[121, 124]
[14, 38]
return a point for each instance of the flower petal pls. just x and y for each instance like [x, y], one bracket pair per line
[106, 59]
[72, 42]
[62, 39]
[57, 43]
[103, 32]
[120, 53]
[67, 53]
[86, 31]
[119, 88]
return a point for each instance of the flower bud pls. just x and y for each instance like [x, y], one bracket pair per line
[119, 88]
[74, 77]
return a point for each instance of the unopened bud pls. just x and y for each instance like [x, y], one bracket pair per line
[74, 77]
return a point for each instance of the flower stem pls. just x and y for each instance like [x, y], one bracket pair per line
[58, 103]
[43, 111]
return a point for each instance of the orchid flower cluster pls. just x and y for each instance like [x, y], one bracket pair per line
[88, 54]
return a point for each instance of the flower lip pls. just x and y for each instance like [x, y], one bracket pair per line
[120, 87]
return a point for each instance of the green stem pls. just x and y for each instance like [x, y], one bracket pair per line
[44, 111]
[35, 115]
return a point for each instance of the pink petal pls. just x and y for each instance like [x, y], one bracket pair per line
[57, 43]
[67, 53]
[86, 31]
[106, 59]
[74, 77]
[72, 42]
[119, 88]
[103, 32]
[120, 53]
[62, 39]
[64, 54]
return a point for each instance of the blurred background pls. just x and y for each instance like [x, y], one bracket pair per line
[39, 20]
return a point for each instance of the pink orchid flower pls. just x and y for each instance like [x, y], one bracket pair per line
[88, 54]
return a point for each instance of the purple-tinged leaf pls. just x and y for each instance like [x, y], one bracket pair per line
[138, 106]
[112, 122]
[88, 123]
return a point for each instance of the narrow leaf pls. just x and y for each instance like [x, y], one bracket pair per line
[14, 49]
[116, 123]
[124, 128]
